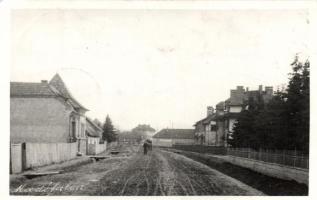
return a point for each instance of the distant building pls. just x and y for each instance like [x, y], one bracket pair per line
[170, 137]
[46, 112]
[129, 137]
[217, 127]
[97, 122]
[205, 129]
[94, 134]
[239, 100]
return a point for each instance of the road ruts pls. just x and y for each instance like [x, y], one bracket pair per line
[163, 173]
[160, 173]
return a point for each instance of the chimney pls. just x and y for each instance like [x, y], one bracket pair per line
[260, 89]
[210, 110]
[43, 81]
[240, 88]
[233, 93]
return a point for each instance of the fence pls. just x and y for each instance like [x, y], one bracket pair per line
[39, 154]
[286, 157]
[28, 155]
[202, 149]
[16, 158]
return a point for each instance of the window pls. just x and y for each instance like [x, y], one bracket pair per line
[213, 127]
[73, 129]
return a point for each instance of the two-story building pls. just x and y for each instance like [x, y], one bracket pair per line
[218, 126]
[239, 100]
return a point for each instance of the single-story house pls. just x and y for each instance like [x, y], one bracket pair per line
[170, 137]
[94, 134]
[46, 112]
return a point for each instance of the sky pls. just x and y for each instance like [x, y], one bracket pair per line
[157, 67]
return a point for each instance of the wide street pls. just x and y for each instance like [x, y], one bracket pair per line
[130, 172]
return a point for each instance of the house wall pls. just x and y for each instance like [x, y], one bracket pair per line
[162, 142]
[231, 124]
[198, 139]
[183, 141]
[235, 109]
[101, 147]
[38, 120]
[92, 145]
[199, 130]
[220, 133]
[210, 138]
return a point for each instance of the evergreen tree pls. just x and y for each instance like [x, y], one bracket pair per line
[298, 106]
[244, 133]
[270, 125]
[281, 124]
[108, 133]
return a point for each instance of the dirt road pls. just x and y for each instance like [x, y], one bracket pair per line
[158, 173]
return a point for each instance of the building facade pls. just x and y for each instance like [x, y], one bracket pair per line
[46, 112]
[218, 126]
[170, 137]
[94, 134]
[238, 101]
[206, 129]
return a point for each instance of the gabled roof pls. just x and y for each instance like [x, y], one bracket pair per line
[175, 134]
[24, 89]
[55, 88]
[220, 105]
[59, 84]
[92, 129]
[206, 120]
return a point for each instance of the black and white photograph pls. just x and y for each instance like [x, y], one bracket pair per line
[159, 102]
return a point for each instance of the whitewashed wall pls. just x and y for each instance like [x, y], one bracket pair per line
[162, 142]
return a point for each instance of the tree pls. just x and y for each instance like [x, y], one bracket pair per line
[270, 125]
[143, 130]
[298, 105]
[244, 134]
[108, 133]
[281, 124]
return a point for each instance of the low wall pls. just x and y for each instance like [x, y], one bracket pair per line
[271, 169]
[40, 154]
[202, 149]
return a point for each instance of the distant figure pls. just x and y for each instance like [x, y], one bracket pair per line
[149, 142]
[145, 147]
